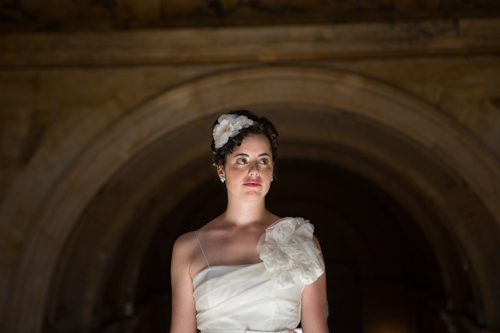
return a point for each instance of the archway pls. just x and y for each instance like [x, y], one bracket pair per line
[452, 169]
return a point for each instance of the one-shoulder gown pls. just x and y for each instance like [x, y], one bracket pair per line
[263, 297]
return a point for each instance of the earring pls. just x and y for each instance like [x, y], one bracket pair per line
[222, 179]
[272, 178]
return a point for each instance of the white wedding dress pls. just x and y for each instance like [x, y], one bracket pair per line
[263, 297]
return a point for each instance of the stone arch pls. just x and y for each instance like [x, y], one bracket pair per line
[445, 142]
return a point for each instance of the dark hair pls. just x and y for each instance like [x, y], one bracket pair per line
[261, 126]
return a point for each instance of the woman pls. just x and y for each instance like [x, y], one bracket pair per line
[247, 270]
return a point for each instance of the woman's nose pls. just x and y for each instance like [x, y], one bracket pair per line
[254, 169]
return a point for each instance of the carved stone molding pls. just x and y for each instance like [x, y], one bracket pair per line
[255, 44]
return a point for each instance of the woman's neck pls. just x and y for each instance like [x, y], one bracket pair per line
[246, 213]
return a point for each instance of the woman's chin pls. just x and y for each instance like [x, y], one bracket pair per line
[254, 195]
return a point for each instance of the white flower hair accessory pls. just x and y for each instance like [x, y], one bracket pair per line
[289, 252]
[229, 125]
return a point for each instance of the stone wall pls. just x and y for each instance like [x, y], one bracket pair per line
[61, 93]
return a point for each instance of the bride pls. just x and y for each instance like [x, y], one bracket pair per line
[248, 270]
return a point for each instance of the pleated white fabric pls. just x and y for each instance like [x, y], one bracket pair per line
[253, 298]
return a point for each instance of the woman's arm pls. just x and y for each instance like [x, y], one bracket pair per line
[314, 305]
[183, 304]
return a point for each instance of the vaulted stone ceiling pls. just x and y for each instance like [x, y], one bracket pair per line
[63, 15]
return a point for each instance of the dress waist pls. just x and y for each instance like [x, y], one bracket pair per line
[244, 331]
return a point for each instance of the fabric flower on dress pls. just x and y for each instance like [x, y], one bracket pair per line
[229, 125]
[289, 252]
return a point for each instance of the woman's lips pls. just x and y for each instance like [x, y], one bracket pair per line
[251, 183]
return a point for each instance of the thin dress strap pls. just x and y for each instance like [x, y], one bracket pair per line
[201, 247]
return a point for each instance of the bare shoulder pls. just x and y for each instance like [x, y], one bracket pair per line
[184, 246]
[187, 253]
[185, 239]
[315, 240]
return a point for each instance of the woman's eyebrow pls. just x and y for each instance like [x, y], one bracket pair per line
[246, 155]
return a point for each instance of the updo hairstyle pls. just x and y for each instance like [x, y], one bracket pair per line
[261, 126]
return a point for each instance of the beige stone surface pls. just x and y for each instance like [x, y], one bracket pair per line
[259, 44]
[465, 88]
[48, 117]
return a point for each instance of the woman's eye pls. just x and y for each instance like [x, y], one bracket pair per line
[241, 160]
[264, 161]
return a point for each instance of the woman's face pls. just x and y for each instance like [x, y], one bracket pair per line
[248, 170]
